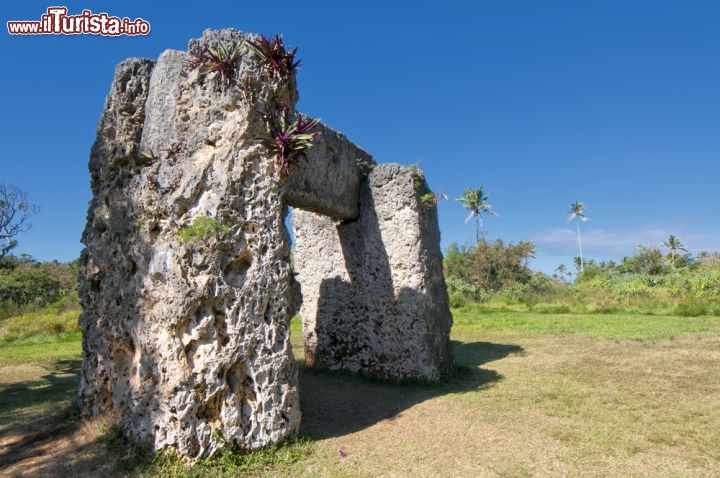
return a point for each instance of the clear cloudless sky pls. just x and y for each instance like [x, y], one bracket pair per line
[615, 103]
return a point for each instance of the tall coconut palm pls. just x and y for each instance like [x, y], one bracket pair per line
[674, 244]
[577, 213]
[474, 200]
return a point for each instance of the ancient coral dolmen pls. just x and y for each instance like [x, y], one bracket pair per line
[186, 282]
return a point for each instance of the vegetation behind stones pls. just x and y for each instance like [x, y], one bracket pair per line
[647, 282]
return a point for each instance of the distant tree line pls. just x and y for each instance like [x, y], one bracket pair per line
[25, 282]
[649, 280]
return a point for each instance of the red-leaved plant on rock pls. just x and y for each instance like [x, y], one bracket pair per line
[288, 140]
[276, 60]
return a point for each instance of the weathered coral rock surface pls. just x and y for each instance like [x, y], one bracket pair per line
[374, 296]
[187, 336]
[327, 181]
[189, 341]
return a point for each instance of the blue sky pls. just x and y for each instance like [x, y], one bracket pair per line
[613, 103]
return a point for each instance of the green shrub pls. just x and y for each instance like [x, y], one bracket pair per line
[460, 292]
[515, 293]
[457, 300]
[706, 284]
[690, 309]
[490, 266]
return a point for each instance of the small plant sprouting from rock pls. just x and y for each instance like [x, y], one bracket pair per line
[276, 60]
[203, 229]
[432, 199]
[365, 166]
[146, 156]
[417, 174]
[246, 91]
[220, 60]
[288, 141]
[219, 438]
[429, 199]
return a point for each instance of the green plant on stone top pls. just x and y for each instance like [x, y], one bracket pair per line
[276, 60]
[220, 60]
[417, 174]
[203, 229]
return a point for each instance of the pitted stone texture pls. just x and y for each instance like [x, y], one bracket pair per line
[188, 341]
[120, 127]
[374, 296]
[328, 180]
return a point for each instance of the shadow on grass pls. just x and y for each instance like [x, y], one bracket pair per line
[30, 400]
[337, 403]
[333, 404]
[32, 411]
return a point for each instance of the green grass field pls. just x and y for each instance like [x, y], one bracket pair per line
[621, 326]
[537, 394]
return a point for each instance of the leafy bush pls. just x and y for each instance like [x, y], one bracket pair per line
[59, 317]
[705, 284]
[647, 260]
[460, 293]
[490, 266]
[456, 301]
[645, 283]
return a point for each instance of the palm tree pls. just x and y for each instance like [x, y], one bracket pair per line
[674, 244]
[474, 200]
[561, 271]
[577, 211]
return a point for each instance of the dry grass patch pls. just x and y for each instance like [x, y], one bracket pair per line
[562, 405]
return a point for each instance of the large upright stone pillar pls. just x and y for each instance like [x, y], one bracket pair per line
[185, 279]
[374, 296]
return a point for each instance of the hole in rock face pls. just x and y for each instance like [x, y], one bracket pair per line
[235, 271]
[235, 377]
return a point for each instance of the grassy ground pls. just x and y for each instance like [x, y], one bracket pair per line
[537, 395]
